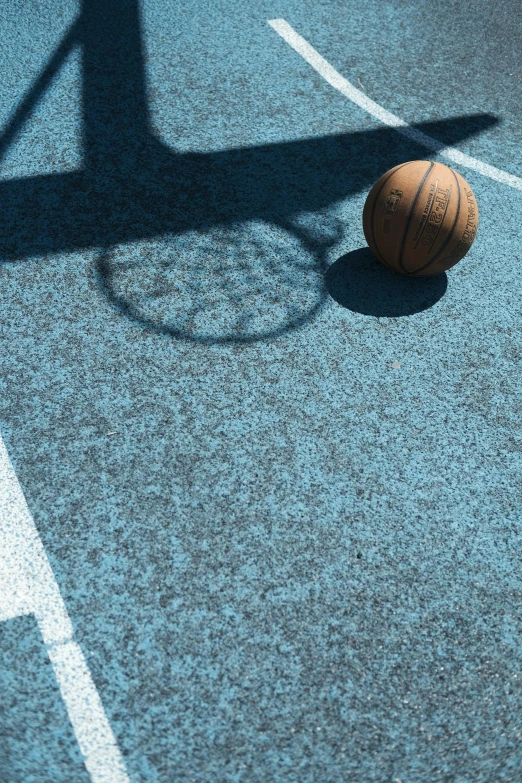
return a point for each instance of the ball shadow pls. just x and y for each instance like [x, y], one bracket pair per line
[360, 283]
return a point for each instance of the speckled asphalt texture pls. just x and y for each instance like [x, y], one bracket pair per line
[298, 557]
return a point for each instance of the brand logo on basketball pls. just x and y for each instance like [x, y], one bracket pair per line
[392, 202]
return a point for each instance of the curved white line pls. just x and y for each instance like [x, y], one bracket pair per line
[328, 72]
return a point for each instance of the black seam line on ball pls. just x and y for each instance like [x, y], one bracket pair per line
[372, 219]
[453, 226]
[410, 217]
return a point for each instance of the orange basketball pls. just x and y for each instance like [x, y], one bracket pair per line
[420, 218]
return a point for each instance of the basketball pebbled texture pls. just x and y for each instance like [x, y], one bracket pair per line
[420, 218]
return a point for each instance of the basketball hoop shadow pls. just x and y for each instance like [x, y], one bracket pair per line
[220, 247]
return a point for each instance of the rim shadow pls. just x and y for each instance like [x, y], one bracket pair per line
[360, 283]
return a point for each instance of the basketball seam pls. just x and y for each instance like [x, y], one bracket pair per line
[408, 221]
[453, 226]
[372, 219]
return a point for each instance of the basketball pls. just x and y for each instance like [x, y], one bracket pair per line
[420, 218]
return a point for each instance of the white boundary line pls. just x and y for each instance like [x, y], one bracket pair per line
[328, 72]
[28, 586]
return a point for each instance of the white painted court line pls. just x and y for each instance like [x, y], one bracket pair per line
[28, 586]
[328, 72]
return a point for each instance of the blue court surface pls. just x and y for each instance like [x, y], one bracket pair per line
[260, 497]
